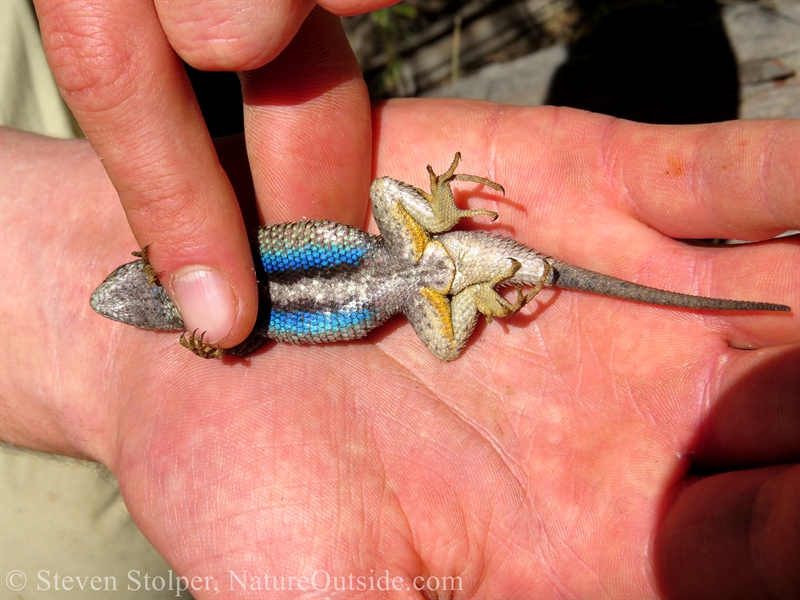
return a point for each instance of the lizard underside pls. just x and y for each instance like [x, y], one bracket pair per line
[327, 282]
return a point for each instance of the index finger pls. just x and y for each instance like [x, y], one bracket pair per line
[130, 93]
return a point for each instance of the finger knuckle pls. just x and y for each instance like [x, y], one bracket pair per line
[87, 52]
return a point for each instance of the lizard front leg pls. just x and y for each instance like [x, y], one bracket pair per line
[407, 216]
[443, 214]
[197, 346]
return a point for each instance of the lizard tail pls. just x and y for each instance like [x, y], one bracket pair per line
[574, 278]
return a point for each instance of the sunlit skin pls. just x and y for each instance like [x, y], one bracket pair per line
[544, 460]
[550, 459]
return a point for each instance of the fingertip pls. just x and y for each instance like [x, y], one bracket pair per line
[209, 301]
[236, 35]
[347, 8]
[206, 301]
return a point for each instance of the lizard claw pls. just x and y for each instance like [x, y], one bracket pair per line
[196, 346]
[522, 298]
[152, 275]
[521, 301]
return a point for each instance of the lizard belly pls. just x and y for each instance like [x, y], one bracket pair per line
[319, 282]
[335, 283]
[311, 309]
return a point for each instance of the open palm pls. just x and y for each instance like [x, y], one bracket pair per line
[554, 456]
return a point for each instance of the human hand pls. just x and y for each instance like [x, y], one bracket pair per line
[307, 122]
[563, 453]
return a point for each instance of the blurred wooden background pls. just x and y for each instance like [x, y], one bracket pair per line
[657, 61]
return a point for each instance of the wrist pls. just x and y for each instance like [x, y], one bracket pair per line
[55, 371]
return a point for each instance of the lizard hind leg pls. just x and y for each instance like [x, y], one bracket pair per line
[442, 204]
[443, 324]
[446, 323]
[447, 338]
[491, 304]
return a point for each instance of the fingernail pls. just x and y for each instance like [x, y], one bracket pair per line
[206, 301]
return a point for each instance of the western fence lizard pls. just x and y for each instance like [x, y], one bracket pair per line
[327, 282]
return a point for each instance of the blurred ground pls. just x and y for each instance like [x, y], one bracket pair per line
[656, 61]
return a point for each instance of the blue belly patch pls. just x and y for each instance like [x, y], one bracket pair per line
[328, 325]
[311, 255]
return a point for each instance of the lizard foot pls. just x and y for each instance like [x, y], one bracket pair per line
[546, 270]
[152, 276]
[443, 204]
[491, 304]
[196, 346]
